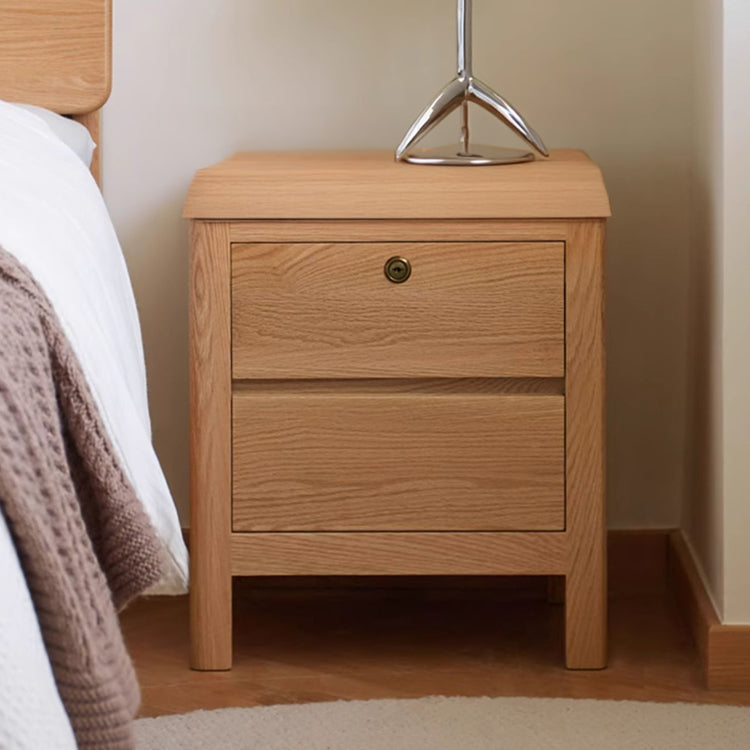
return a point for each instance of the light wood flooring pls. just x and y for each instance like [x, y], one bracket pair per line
[472, 637]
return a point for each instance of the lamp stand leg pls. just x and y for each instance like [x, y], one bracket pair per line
[461, 91]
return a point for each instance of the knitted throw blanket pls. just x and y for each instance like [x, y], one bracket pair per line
[83, 538]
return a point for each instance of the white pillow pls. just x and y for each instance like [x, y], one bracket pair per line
[71, 133]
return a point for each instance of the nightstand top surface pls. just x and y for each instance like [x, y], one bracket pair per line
[372, 185]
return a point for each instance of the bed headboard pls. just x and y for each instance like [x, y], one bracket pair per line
[58, 54]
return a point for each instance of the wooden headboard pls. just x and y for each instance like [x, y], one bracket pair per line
[58, 54]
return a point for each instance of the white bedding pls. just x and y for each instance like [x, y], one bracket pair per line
[53, 219]
[31, 712]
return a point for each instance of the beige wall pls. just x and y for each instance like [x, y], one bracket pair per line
[736, 312]
[716, 517]
[194, 81]
[703, 513]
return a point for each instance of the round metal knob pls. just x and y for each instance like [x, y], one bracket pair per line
[397, 269]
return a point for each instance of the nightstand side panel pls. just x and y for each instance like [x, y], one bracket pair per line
[210, 446]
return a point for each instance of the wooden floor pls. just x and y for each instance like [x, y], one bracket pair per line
[302, 645]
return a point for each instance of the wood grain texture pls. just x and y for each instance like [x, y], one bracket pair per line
[398, 462]
[327, 310]
[723, 650]
[371, 185]
[365, 386]
[729, 658]
[395, 637]
[692, 597]
[398, 553]
[490, 310]
[210, 447]
[389, 230]
[56, 53]
[408, 638]
[586, 584]
[638, 564]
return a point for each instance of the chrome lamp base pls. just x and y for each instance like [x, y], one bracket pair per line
[460, 92]
[480, 156]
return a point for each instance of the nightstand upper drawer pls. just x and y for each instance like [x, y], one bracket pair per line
[473, 309]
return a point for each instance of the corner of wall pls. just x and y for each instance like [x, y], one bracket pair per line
[703, 510]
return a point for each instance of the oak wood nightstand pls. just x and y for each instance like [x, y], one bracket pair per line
[396, 370]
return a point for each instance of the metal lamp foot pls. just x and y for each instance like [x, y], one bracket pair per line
[461, 91]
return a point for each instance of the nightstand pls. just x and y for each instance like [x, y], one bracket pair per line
[396, 370]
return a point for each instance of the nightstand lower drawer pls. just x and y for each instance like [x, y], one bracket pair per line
[397, 461]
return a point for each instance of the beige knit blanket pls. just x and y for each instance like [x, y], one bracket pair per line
[84, 541]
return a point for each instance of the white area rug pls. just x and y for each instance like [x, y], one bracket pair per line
[454, 724]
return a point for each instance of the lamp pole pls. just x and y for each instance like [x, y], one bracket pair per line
[464, 65]
[464, 37]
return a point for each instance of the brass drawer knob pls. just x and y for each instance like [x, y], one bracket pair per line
[397, 269]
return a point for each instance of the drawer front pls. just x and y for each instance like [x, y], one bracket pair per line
[387, 461]
[474, 309]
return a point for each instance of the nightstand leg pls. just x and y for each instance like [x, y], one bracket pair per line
[210, 447]
[585, 518]
[586, 619]
[210, 615]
